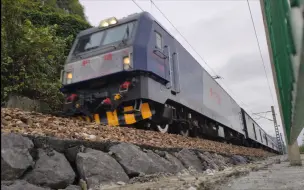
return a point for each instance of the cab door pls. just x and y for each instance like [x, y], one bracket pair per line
[165, 50]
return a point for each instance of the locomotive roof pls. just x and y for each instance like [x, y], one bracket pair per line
[123, 20]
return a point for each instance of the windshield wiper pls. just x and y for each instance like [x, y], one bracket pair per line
[91, 48]
[94, 47]
[111, 46]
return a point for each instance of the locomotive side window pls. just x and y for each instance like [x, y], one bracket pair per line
[261, 135]
[159, 40]
[255, 136]
[266, 139]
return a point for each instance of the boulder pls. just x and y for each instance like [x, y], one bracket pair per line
[168, 166]
[177, 164]
[236, 160]
[72, 187]
[207, 161]
[52, 169]
[15, 155]
[220, 161]
[135, 161]
[13, 140]
[190, 160]
[98, 167]
[21, 185]
[71, 153]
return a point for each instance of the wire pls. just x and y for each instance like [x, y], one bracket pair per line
[137, 5]
[262, 112]
[260, 116]
[266, 118]
[258, 43]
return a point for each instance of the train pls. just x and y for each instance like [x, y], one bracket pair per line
[131, 72]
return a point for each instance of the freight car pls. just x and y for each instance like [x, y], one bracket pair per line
[133, 72]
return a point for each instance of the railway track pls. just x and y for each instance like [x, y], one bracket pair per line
[37, 124]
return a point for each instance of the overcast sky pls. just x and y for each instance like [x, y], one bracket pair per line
[221, 31]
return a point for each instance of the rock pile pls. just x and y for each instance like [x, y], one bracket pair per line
[32, 123]
[31, 164]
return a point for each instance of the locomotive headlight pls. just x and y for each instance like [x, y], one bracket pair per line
[104, 24]
[108, 22]
[126, 62]
[69, 77]
[112, 21]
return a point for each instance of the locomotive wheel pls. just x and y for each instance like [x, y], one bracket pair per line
[163, 128]
[148, 125]
[183, 130]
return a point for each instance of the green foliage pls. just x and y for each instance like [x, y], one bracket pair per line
[38, 60]
[302, 149]
[35, 41]
[76, 8]
[72, 7]
[68, 24]
[50, 15]
[51, 3]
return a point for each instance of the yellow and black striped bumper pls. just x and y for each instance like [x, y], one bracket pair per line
[114, 119]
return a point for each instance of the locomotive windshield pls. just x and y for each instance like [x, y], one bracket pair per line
[106, 37]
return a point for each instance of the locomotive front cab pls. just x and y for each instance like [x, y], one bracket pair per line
[99, 80]
[100, 52]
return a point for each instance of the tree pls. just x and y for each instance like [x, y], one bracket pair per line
[35, 40]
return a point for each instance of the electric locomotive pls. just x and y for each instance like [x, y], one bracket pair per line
[133, 72]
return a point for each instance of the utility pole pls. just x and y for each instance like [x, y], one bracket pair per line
[276, 128]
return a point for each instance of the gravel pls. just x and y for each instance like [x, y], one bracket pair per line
[37, 124]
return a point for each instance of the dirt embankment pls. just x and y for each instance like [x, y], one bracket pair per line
[32, 123]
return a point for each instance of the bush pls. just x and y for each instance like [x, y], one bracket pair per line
[302, 149]
[34, 70]
[35, 41]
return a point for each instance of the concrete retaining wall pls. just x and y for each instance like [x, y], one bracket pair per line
[27, 104]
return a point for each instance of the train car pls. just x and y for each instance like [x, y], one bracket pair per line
[255, 135]
[272, 145]
[133, 71]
